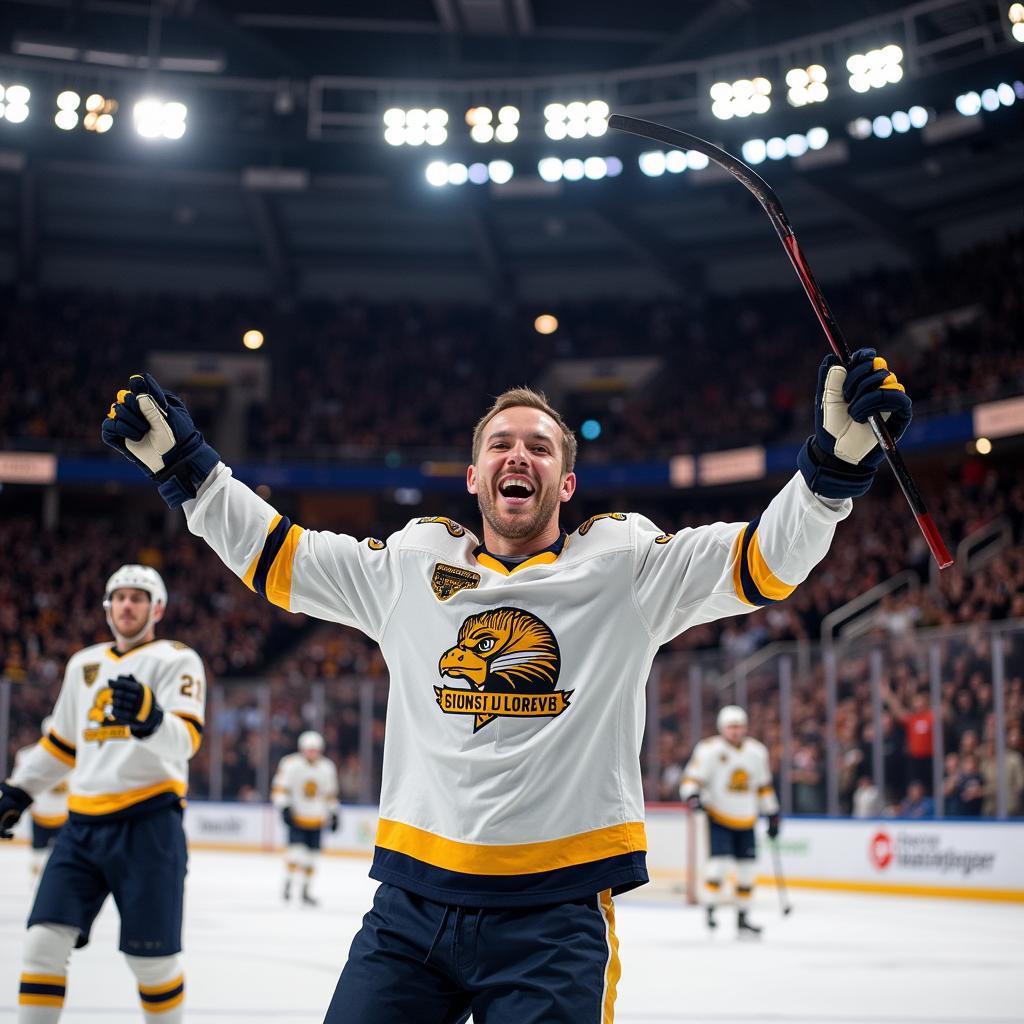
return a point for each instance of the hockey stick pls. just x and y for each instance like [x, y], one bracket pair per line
[767, 198]
[780, 881]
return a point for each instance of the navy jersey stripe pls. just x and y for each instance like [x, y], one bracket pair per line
[271, 546]
[620, 874]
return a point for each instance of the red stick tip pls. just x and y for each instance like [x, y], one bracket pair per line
[935, 542]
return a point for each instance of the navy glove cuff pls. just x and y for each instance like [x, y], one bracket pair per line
[831, 477]
[16, 795]
[193, 461]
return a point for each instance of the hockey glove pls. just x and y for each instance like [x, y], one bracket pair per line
[841, 459]
[154, 430]
[774, 821]
[286, 816]
[134, 705]
[14, 801]
[335, 821]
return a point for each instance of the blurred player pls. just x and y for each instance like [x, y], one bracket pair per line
[305, 790]
[511, 804]
[128, 719]
[730, 778]
[49, 810]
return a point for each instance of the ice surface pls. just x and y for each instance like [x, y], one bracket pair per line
[845, 959]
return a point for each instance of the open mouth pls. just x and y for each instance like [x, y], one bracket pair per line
[516, 490]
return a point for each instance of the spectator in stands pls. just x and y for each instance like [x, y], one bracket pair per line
[1013, 780]
[867, 801]
[971, 787]
[917, 803]
[808, 780]
[918, 723]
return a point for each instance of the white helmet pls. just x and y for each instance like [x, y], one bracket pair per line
[731, 714]
[136, 577]
[311, 741]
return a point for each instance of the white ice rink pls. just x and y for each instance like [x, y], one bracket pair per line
[839, 958]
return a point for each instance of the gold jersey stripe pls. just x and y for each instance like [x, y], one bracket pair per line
[279, 579]
[764, 579]
[109, 803]
[518, 859]
[27, 999]
[43, 979]
[613, 969]
[164, 986]
[163, 1007]
[490, 562]
[728, 821]
[54, 821]
[307, 822]
[194, 734]
[250, 573]
[737, 554]
[54, 751]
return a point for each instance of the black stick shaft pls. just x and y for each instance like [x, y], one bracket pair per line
[770, 202]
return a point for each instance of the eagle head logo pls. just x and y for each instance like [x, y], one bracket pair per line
[505, 650]
[101, 706]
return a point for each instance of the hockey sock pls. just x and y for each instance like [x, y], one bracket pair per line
[44, 973]
[713, 876]
[745, 874]
[161, 987]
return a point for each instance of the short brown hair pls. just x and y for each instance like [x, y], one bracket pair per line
[530, 399]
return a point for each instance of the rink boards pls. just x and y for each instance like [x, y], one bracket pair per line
[966, 859]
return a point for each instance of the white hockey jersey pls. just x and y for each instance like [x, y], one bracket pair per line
[309, 789]
[516, 710]
[50, 808]
[735, 783]
[115, 773]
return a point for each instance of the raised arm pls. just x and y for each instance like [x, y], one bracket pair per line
[328, 575]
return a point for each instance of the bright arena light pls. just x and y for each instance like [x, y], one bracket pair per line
[968, 104]
[741, 98]
[550, 169]
[545, 324]
[415, 126]
[478, 174]
[66, 117]
[817, 138]
[253, 339]
[860, 128]
[155, 119]
[754, 151]
[652, 164]
[594, 168]
[876, 68]
[572, 169]
[14, 103]
[1016, 16]
[806, 85]
[437, 173]
[576, 120]
[881, 126]
[508, 124]
[99, 113]
[500, 171]
[458, 174]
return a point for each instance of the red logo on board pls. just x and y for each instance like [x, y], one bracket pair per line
[881, 850]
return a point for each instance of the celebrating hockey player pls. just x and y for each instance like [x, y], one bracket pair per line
[730, 778]
[128, 719]
[511, 805]
[305, 790]
[49, 810]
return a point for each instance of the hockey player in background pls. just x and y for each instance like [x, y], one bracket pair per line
[49, 810]
[729, 777]
[511, 808]
[128, 719]
[305, 790]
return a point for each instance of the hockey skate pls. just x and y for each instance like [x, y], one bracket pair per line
[744, 929]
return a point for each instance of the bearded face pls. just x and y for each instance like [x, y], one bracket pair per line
[518, 479]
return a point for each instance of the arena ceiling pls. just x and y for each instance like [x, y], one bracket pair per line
[265, 193]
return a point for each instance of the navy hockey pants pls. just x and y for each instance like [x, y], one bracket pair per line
[415, 961]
